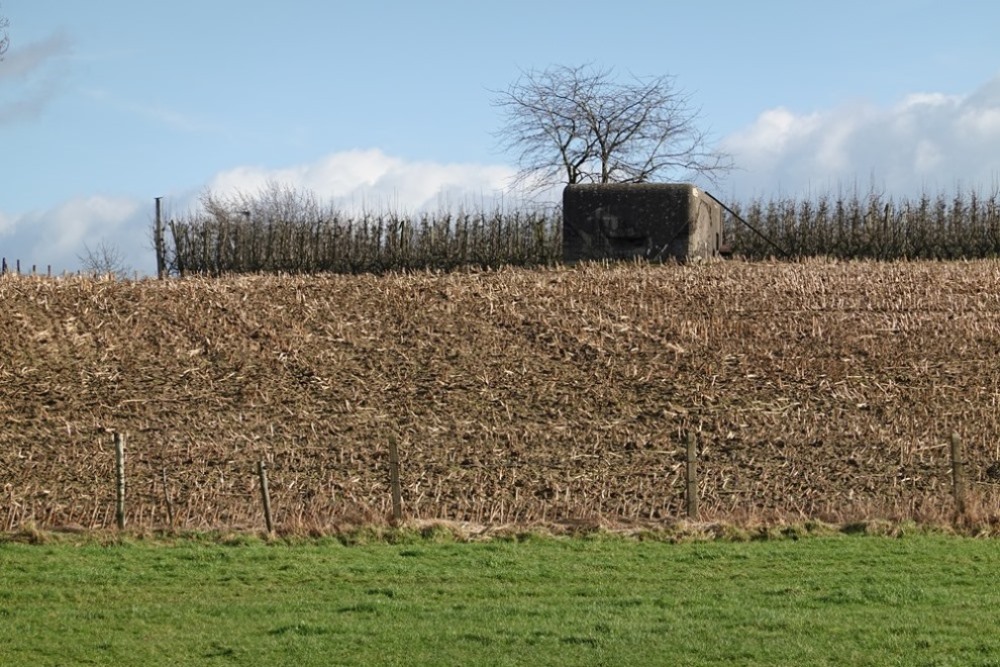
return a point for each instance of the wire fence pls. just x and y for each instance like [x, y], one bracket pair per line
[314, 493]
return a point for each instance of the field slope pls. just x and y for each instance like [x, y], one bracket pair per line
[815, 389]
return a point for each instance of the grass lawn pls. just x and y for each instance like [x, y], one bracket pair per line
[835, 600]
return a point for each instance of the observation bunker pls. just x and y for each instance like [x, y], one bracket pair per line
[653, 221]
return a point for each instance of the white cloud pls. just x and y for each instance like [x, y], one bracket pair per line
[925, 142]
[983, 123]
[81, 219]
[775, 131]
[352, 180]
[915, 100]
[58, 236]
[928, 156]
[372, 180]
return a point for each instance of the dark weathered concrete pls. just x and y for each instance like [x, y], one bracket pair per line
[655, 221]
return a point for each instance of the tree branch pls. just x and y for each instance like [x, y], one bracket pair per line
[577, 124]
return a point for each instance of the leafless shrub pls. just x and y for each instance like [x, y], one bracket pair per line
[106, 259]
[963, 226]
[280, 229]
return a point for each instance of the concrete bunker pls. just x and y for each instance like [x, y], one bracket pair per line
[653, 221]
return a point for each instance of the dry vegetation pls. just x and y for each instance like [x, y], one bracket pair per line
[820, 389]
[281, 229]
[965, 225]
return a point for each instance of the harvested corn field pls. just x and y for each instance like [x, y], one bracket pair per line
[815, 390]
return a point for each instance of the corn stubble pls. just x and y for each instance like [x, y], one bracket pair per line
[817, 390]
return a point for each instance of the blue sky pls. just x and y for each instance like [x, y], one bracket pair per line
[106, 104]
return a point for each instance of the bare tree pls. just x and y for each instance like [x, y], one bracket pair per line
[106, 259]
[4, 38]
[579, 125]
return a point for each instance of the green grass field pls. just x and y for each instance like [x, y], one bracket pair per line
[833, 600]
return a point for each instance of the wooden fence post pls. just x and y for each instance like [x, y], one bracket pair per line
[397, 503]
[958, 474]
[166, 498]
[692, 475]
[120, 479]
[265, 495]
[161, 262]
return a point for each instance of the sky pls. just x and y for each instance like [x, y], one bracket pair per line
[386, 105]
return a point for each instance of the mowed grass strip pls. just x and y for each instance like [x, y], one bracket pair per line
[840, 600]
